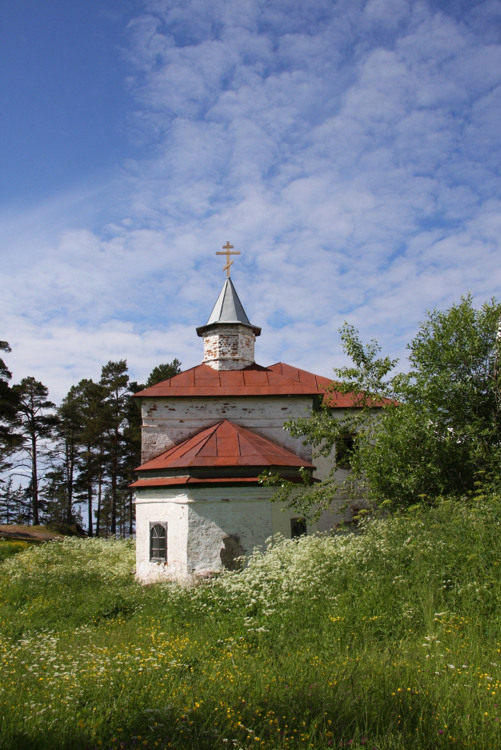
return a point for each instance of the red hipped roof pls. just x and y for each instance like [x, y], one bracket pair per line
[276, 380]
[224, 444]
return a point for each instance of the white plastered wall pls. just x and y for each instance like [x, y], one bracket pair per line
[161, 505]
[206, 526]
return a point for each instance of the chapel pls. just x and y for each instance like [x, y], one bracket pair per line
[207, 435]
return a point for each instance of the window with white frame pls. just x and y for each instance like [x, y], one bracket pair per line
[158, 542]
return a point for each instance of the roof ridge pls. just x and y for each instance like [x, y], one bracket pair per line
[204, 439]
[229, 450]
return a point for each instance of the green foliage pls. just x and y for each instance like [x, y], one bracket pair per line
[84, 453]
[84, 406]
[163, 372]
[437, 428]
[37, 422]
[9, 401]
[388, 638]
[115, 384]
[68, 583]
[14, 503]
[368, 378]
[10, 547]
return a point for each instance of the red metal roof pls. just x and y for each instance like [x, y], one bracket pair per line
[224, 444]
[276, 380]
[176, 481]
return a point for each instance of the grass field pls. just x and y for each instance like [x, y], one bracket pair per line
[387, 639]
[9, 547]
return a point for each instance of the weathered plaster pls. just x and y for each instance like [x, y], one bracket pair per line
[229, 347]
[206, 527]
[169, 421]
[160, 506]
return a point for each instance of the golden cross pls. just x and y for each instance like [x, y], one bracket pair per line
[227, 248]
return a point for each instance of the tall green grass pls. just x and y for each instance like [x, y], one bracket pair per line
[9, 547]
[387, 639]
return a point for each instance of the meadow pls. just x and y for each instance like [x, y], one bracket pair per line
[387, 638]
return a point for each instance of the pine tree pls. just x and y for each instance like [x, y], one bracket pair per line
[92, 438]
[54, 491]
[8, 502]
[163, 372]
[37, 423]
[115, 384]
[14, 503]
[69, 430]
[9, 400]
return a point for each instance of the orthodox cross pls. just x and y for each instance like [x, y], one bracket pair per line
[227, 251]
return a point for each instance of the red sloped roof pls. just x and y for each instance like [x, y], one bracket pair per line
[276, 380]
[176, 481]
[224, 444]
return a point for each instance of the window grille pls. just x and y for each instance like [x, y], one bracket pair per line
[158, 542]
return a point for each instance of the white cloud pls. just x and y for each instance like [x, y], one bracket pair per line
[351, 153]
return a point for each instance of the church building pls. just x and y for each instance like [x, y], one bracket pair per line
[207, 435]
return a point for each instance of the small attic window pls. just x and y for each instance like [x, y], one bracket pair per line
[158, 542]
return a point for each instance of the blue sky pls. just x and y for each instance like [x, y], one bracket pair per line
[349, 149]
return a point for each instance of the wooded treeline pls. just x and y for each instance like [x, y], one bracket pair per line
[72, 463]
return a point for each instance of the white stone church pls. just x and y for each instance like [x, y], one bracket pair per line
[207, 435]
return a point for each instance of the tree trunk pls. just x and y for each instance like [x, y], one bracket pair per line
[89, 508]
[70, 465]
[114, 483]
[99, 494]
[34, 480]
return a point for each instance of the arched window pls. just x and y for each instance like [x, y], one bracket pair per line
[158, 542]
